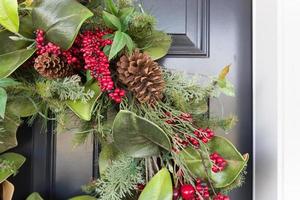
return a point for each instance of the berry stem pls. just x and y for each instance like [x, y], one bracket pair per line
[206, 171]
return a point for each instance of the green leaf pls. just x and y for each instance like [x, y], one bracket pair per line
[3, 100]
[129, 43]
[236, 162]
[10, 125]
[159, 45]
[118, 44]
[125, 12]
[106, 49]
[84, 110]
[16, 159]
[21, 107]
[112, 21]
[34, 196]
[83, 197]
[61, 20]
[159, 187]
[143, 137]
[111, 7]
[226, 87]
[9, 17]
[6, 82]
[9, 62]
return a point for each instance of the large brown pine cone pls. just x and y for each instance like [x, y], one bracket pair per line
[142, 76]
[51, 66]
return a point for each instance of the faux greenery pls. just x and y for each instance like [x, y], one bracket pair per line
[148, 150]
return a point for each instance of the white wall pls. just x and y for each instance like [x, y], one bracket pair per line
[276, 99]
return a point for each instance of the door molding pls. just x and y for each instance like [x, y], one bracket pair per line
[195, 41]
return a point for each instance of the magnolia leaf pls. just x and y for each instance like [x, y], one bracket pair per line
[84, 110]
[159, 187]
[6, 190]
[159, 45]
[21, 107]
[236, 162]
[224, 72]
[3, 99]
[111, 21]
[118, 44]
[15, 159]
[143, 137]
[34, 196]
[9, 62]
[10, 125]
[111, 7]
[6, 82]
[9, 17]
[108, 154]
[61, 20]
[83, 197]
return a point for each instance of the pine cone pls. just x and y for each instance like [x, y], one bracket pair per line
[142, 76]
[51, 66]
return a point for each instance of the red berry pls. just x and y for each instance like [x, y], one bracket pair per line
[176, 193]
[187, 192]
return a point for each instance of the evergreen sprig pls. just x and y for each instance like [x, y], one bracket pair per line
[119, 181]
[68, 88]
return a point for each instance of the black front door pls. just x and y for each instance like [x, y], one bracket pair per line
[207, 35]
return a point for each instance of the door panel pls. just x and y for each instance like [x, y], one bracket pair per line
[207, 35]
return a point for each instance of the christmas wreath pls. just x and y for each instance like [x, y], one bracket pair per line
[91, 67]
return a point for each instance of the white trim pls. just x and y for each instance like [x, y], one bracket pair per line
[265, 99]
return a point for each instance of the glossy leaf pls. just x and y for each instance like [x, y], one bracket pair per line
[84, 110]
[61, 20]
[10, 124]
[34, 196]
[137, 136]
[236, 162]
[6, 82]
[9, 17]
[129, 43]
[17, 161]
[11, 61]
[112, 21]
[159, 187]
[111, 7]
[21, 107]
[3, 100]
[83, 197]
[118, 44]
[159, 46]
[6, 190]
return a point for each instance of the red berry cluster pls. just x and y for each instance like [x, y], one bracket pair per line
[221, 197]
[87, 48]
[189, 192]
[43, 46]
[97, 62]
[204, 134]
[219, 162]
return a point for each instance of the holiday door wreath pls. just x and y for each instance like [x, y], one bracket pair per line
[91, 67]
